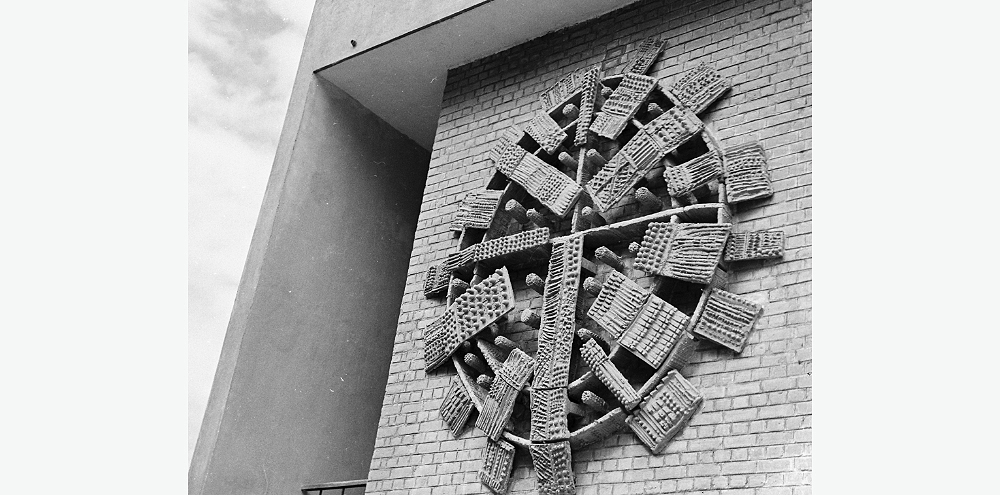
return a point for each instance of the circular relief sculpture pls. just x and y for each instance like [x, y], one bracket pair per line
[608, 224]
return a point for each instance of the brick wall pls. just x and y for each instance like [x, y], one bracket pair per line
[753, 434]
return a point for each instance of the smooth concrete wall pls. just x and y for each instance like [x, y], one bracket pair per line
[372, 23]
[302, 376]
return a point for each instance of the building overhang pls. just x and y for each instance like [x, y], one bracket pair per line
[402, 80]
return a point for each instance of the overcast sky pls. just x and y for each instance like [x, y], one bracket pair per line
[242, 58]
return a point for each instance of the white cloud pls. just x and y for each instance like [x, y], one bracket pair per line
[244, 109]
[295, 12]
[285, 48]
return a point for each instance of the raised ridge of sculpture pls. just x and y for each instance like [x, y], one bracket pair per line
[609, 374]
[555, 336]
[588, 98]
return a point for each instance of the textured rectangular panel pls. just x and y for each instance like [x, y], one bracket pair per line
[468, 315]
[674, 128]
[516, 369]
[612, 181]
[655, 247]
[508, 245]
[558, 326]
[497, 408]
[551, 187]
[440, 340]
[554, 467]
[505, 153]
[685, 251]
[548, 414]
[746, 173]
[699, 87]
[608, 373]
[476, 210]
[640, 155]
[758, 245]
[456, 407]
[645, 55]
[509, 380]
[727, 319]
[436, 281]
[566, 87]
[618, 304]
[692, 174]
[623, 104]
[654, 332]
[546, 132]
[460, 259]
[620, 174]
[546, 183]
[665, 411]
[498, 461]
[588, 98]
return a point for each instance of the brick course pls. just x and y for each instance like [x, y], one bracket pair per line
[753, 434]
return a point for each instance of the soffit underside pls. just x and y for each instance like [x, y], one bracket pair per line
[402, 80]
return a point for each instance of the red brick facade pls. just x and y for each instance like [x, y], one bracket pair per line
[753, 434]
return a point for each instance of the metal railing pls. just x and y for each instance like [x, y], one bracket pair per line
[350, 487]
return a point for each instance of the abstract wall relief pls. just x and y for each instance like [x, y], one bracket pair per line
[622, 197]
